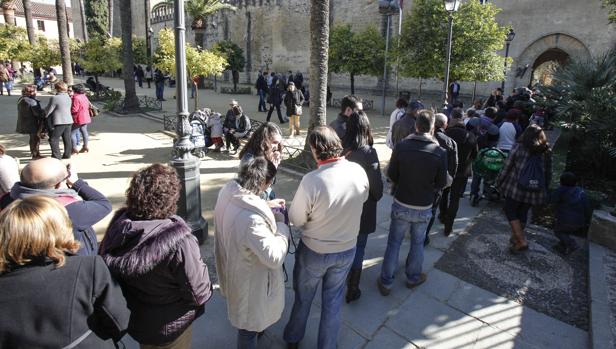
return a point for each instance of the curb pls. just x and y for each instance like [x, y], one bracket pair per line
[600, 315]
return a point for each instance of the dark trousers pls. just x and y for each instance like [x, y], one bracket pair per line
[63, 131]
[35, 142]
[230, 139]
[160, 88]
[140, 81]
[435, 203]
[450, 201]
[149, 82]
[269, 114]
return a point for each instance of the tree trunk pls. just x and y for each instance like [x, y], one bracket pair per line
[8, 10]
[29, 23]
[65, 53]
[352, 84]
[131, 102]
[110, 4]
[82, 13]
[420, 83]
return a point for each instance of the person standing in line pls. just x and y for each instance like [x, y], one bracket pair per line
[348, 105]
[440, 124]
[397, 114]
[30, 117]
[261, 86]
[80, 110]
[406, 125]
[524, 181]
[58, 111]
[414, 188]
[9, 171]
[50, 297]
[358, 148]
[139, 74]
[5, 79]
[293, 100]
[467, 151]
[454, 91]
[252, 241]
[509, 131]
[149, 75]
[156, 258]
[274, 98]
[270, 79]
[159, 81]
[572, 210]
[327, 207]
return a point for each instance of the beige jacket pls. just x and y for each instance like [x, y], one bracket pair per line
[250, 249]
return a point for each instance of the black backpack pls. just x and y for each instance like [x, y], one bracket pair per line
[532, 177]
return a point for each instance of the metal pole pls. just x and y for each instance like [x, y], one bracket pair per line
[398, 55]
[446, 87]
[505, 71]
[385, 65]
[187, 166]
[148, 35]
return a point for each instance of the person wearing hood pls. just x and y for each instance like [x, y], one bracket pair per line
[252, 241]
[573, 213]
[293, 100]
[215, 125]
[84, 204]
[152, 253]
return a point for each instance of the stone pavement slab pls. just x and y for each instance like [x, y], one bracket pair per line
[602, 279]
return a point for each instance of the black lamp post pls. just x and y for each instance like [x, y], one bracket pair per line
[508, 41]
[451, 6]
[387, 8]
[189, 204]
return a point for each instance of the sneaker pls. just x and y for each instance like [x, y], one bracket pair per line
[422, 278]
[382, 289]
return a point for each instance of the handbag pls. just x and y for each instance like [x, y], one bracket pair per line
[298, 110]
[93, 110]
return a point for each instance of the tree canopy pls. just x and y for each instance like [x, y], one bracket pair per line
[477, 37]
[198, 62]
[46, 53]
[97, 17]
[232, 53]
[14, 44]
[611, 6]
[102, 54]
[361, 53]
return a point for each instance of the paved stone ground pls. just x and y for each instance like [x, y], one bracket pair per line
[445, 312]
[540, 278]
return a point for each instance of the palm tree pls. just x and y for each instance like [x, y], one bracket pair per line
[131, 103]
[110, 21]
[199, 10]
[8, 10]
[67, 72]
[82, 13]
[319, 47]
[29, 24]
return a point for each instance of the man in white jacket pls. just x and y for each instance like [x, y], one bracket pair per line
[327, 208]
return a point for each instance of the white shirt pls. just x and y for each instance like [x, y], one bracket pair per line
[328, 204]
[506, 136]
[396, 115]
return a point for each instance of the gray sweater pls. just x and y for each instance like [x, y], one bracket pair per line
[59, 108]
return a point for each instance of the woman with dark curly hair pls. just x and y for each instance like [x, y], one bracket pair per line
[524, 180]
[153, 254]
[266, 141]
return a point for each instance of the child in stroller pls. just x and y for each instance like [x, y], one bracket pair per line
[200, 132]
[488, 164]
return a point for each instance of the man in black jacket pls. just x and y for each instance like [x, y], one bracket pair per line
[414, 188]
[406, 125]
[84, 204]
[440, 124]
[261, 91]
[467, 151]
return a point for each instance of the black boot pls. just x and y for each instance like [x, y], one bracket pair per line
[353, 293]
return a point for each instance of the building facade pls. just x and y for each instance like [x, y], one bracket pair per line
[275, 36]
[43, 18]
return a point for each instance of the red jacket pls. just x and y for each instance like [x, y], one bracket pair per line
[80, 109]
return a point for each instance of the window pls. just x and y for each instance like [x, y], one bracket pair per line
[40, 25]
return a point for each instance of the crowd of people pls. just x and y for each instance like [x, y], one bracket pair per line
[147, 278]
[66, 116]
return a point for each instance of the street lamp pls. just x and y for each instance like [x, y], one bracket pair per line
[187, 166]
[508, 40]
[451, 6]
[387, 8]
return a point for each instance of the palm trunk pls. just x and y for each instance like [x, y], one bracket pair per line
[29, 24]
[82, 13]
[131, 102]
[352, 84]
[8, 10]
[110, 4]
[67, 72]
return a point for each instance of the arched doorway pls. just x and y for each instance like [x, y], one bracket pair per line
[545, 65]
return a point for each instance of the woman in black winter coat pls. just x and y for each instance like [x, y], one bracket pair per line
[357, 144]
[274, 98]
[293, 100]
[30, 116]
[153, 254]
[50, 298]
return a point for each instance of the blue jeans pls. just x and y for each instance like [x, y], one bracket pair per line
[246, 339]
[160, 88]
[310, 269]
[77, 130]
[362, 240]
[262, 106]
[193, 90]
[404, 219]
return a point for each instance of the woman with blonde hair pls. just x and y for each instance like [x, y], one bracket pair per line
[63, 300]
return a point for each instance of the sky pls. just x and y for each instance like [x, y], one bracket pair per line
[52, 2]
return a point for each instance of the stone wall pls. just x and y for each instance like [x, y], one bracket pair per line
[279, 36]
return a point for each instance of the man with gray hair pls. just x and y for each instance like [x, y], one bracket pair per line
[417, 169]
[440, 124]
